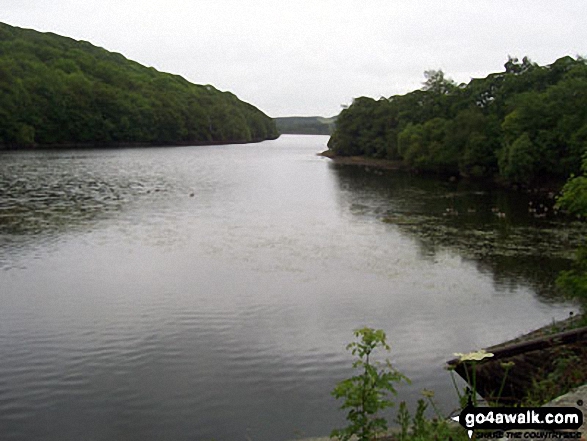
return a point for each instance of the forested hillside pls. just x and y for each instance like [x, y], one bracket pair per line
[522, 125]
[305, 125]
[56, 91]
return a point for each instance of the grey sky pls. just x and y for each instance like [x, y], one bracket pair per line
[308, 57]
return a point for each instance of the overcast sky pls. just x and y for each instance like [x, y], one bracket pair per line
[309, 57]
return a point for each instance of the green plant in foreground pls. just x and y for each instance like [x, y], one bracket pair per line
[423, 428]
[368, 392]
[403, 419]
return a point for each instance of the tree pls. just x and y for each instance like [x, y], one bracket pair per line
[514, 66]
[518, 162]
[437, 83]
[411, 144]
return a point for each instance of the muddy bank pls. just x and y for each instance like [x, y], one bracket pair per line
[365, 161]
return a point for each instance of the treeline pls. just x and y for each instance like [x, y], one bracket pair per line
[522, 125]
[55, 90]
[305, 125]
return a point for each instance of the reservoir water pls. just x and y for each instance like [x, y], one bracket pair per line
[201, 293]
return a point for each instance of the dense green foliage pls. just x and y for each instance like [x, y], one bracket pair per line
[523, 125]
[55, 90]
[305, 125]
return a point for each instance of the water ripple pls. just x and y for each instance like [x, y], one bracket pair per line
[205, 293]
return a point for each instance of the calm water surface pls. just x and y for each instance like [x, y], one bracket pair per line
[206, 293]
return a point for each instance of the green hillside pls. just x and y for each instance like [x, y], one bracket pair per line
[525, 125]
[305, 125]
[58, 91]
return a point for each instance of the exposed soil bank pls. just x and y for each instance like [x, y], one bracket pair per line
[365, 161]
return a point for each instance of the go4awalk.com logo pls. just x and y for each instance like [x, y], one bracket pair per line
[521, 423]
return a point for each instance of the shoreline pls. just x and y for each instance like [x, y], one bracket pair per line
[387, 164]
[122, 145]
[552, 186]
